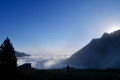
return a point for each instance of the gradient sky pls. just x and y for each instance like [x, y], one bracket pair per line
[56, 26]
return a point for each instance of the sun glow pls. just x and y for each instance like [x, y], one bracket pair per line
[112, 29]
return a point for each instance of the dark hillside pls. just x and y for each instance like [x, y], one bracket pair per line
[103, 52]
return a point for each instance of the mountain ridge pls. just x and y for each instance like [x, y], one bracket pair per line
[102, 52]
[20, 54]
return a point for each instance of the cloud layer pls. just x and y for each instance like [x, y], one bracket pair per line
[44, 61]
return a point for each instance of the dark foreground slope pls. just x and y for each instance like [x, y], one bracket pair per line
[61, 74]
[103, 52]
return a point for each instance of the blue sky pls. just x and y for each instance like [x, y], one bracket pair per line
[36, 26]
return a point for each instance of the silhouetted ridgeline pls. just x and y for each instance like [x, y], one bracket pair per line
[20, 54]
[103, 52]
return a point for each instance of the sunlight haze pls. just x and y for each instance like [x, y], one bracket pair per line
[113, 28]
[56, 26]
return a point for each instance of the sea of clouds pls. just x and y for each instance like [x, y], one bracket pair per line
[44, 61]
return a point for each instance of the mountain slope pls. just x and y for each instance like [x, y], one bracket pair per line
[103, 52]
[20, 54]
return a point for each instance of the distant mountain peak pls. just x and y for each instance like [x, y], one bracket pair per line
[20, 54]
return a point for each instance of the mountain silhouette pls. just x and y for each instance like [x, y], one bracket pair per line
[20, 54]
[103, 52]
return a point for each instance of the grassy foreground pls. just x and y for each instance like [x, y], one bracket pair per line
[61, 74]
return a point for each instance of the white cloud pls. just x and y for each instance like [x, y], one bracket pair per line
[44, 61]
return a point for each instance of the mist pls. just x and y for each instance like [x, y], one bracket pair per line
[44, 60]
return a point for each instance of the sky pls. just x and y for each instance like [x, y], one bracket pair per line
[56, 26]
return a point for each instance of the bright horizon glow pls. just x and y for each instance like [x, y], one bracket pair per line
[112, 29]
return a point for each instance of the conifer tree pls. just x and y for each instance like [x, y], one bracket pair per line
[7, 55]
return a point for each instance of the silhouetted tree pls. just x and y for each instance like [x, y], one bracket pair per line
[8, 59]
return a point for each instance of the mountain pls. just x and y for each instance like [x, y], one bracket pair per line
[103, 53]
[20, 54]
